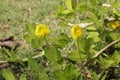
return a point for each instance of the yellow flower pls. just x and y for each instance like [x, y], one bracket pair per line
[42, 30]
[114, 24]
[76, 32]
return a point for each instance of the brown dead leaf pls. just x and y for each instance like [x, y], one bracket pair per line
[9, 43]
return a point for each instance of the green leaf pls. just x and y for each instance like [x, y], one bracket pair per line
[43, 75]
[36, 42]
[33, 40]
[116, 56]
[7, 74]
[62, 23]
[74, 4]
[59, 75]
[109, 63]
[63, 40]
[52, 54]
[68, 4]
[95, 76]
[85, 44]
[94, 2]
[82, 7]
[117, 14]
[59, 11]
[93, 33]
[104, 76]
[33, 64]
[106, 63]
[70, 72]
[74, 55]
[23, 77]
[10, 54]
[93, 17]
[67, 11]
[102, 62]
[30, 27]
[28, 38]
[114, 36]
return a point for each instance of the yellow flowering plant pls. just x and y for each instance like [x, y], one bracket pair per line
[114, 24]
[76, 32]
[96, 36]
[36, 34]
[93, 53]
[42, 30]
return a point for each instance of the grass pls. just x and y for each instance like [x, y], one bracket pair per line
[14, 14]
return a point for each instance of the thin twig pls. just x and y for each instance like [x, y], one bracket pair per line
[3, 62]
[82, 25]
[114, 42]
[100, 52]
[34, 57]
[84, 64]
[100, 75]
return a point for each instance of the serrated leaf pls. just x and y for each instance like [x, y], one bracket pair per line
[7, 74]
[85, 44]
[70, 71]
[59, 75]
[33, 64]
[43, 74]
[106, 63]
[62, 23]
[65, 12]
[36, 42]
[93, 17]
[52, 54]
[104, 76]
[68, 4]
[23, 77]
[116, 56]
[82, 7]
[102, 62]
[28, 38]
[63, 40]
[109, 63]
[30, 27]
[74, 4]
[95, 76]
[93, 2]
[114, 36]
[93, 33]
[74, 55]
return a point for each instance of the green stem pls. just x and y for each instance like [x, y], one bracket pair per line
[78, 47]
[77, 17]
[47, 43]
[46, 40]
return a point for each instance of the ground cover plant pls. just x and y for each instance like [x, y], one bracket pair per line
[81, 42]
